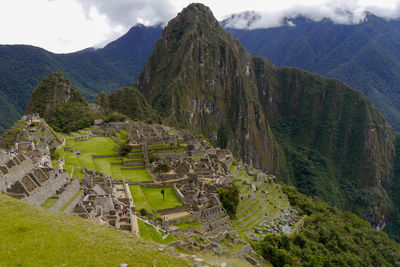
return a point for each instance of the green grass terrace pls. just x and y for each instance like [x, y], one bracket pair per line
[111, 166]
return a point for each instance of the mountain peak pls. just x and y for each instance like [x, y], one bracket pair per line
[192, 16]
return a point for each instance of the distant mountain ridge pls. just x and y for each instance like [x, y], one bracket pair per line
[365, 55]
[118, 64]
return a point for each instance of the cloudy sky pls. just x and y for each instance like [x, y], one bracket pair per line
[63, 26]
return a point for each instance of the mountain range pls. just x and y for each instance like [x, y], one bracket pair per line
[362, 55]
[315, 133]
[365, 55]
[92, 71]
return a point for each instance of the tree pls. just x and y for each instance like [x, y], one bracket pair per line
[230, 199]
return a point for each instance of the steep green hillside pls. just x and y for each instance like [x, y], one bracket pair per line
[328, 237]
[60, 104]
[34, 236]
[364, 55]
[338, 146]
[316, 133]
[92, 71]
[129, 102]
[199, 77]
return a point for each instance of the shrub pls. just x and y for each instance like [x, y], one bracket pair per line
[230, 199]
[124, 149]
[162, 168]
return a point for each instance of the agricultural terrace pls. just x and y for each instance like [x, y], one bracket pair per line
[99, 146]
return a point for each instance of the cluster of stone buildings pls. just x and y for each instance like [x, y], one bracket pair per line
[107, 202]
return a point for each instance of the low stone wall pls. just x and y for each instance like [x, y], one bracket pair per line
[179, 194]
[172, 156]
[136, 156]
[162, 177]
[132, 168]
[116, 140]
[195, 153]
[104, 156]
[72, 206]
[68, 193]
[182, 220]
[46, 190]
[133, 162]
[171, 210]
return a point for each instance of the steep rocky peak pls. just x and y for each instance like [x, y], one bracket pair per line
[194, 19]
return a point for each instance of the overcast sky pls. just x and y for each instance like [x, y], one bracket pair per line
[63, 26]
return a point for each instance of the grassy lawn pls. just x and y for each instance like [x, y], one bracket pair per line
[86, 160]
[139, 199]
[97, 146]
[34, 236]
[185, 225]
[148, 232]
[103, 165]
[136, 175]
[49, 202]
[155, 198]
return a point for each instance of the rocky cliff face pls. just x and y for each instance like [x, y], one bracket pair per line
[318, 133]
[199, 77]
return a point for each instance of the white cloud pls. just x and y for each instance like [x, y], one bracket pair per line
[127, 13]
[70, 25]
[340, 12]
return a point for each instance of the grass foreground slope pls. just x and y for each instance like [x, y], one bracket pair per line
[34, 236]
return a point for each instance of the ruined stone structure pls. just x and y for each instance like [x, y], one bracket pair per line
[22, 179]
[107, 202]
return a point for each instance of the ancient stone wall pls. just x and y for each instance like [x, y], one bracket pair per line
[72, 206]
[170, 210]
[16, 173]
[68, 193]
[104, 156]
[46, 190]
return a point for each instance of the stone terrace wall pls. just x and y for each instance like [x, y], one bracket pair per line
[72, 206]
[68, 193]
[16, 173]
[46, 190]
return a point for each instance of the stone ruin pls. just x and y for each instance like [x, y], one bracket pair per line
[22, 179]
[107, 202]
[202, 201]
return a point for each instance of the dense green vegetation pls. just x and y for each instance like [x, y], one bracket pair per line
[392, 185]
[362, 55]
[92, 71]
[130, 102]
[229, 198]
[328, 237]
[34, 236]
[316, 133]
[60, 104]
